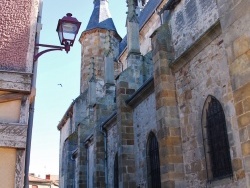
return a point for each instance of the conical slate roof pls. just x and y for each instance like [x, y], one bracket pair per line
[101, 17]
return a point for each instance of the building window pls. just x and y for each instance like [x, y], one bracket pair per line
[116, 172]
[153, 162]
[216, 141]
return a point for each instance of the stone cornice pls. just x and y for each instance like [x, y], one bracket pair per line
[13, 135]
[15, 81]
[144, 91]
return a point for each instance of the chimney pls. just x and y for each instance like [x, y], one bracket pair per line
[47, 176]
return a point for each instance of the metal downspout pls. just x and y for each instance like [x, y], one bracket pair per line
[104, 132]
[32, 104]
[87, 170]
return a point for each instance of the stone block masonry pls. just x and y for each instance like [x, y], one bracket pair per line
[144, 121]
[206, 74]
[235, 21]
[167, 117]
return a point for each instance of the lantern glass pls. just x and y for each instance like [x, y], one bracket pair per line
[67, 29]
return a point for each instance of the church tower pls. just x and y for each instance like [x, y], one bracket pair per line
[100, 44]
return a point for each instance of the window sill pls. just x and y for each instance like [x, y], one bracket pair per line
[219, 182]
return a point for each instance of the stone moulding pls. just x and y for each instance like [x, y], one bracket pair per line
[10, 97]
[171, 4]
[13, 135]
[15, 81]
[145, 90]
[111, 119]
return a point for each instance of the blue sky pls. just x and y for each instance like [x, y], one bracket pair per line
[55, 68]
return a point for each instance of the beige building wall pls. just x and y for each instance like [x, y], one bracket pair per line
[7, 162]
[10, 111]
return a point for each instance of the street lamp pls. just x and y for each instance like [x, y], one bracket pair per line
[67, 29]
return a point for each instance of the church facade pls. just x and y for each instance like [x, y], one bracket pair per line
[166, 106]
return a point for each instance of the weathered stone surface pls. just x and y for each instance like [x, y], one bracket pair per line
[244, 120]
[246, 148]
[19, 176]
[13, 135]
[144, 122]
[15, 81]
[213, 59]
[189, 21]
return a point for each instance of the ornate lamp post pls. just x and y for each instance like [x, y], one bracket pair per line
[67, 29]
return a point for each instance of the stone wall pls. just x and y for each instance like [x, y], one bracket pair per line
[146, 31]
[235, 21]
[91, 165]
[112, 149]
[206, 74]
[96, 44]
[144, 121]
[189, 21]
[64, 133]
[79, 110]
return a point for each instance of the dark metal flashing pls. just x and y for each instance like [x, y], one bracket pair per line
[109, 120]
[66, 116]
[74, 154]
[144, 91]
[148, 11]
[89, 139]
[171, 4]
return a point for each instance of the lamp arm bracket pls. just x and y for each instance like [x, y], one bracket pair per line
[52, 48]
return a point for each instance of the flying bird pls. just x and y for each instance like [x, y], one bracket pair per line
[60, 85]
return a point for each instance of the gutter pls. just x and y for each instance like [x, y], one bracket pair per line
[147, 87]
[65, 116]
[88, 140]
[32, 105]
[104, 132]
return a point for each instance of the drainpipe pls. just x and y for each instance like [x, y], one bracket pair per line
[104, 132]
[32, 104]
[87, 156]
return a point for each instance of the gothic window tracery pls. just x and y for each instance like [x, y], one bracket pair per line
[116, 172]
[216, 141]
[153, 162]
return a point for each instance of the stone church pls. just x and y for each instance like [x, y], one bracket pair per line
[168, 105]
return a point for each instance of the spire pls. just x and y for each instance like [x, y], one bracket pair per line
[101, 17]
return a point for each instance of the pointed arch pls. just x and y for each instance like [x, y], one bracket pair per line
[153, 162]
[215, 140]
[116, 172]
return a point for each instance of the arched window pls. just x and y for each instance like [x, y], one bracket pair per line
[116, 172]
[216, 140]
[153, 162]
